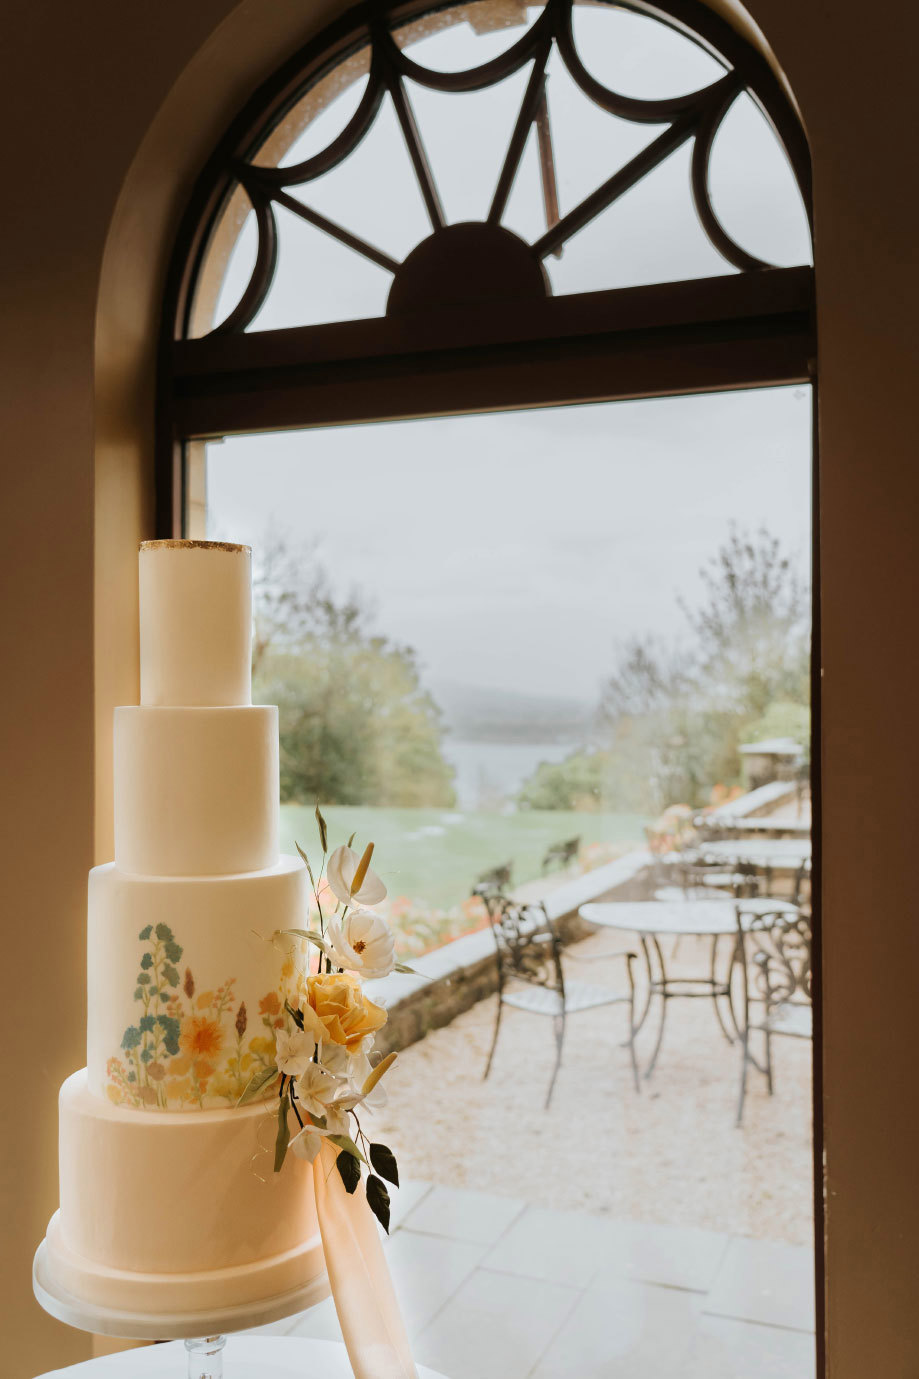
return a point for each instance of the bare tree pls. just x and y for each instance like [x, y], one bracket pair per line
[293, 600]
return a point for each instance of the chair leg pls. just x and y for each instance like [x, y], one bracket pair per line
[745, 1061]
[559, 1023]
[494, 1038]
[769, 1061]
[633, 1056]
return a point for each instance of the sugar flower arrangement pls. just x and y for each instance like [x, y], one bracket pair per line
[323, 1063]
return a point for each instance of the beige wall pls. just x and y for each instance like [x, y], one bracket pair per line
[111, 101]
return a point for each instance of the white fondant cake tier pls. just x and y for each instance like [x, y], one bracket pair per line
[196, 790]
[195, 623]
[176, 1212]
[185, 986]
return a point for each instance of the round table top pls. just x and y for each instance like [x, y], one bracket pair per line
[245, 1357]
[704, 917]
[763, 852]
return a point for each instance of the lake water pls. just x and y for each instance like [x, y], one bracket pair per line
[490, 773]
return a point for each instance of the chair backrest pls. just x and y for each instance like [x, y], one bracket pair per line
[780, 952]
[498, 878]
[529, 949]
[801, 892]
[740, 877]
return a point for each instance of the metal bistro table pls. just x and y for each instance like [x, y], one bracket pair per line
[714, 919]
[772, 854]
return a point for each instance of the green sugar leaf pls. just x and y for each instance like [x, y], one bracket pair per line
[163, 932]
[283, 1139]
[349, 1171]
[346, 1143]
[384, 1161]
[145, 933]
[323, 831]
[258, 1083]
[378, 1201]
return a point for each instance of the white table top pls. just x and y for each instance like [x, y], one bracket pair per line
[706, 917]
[245, 1357]
[766, 825]
[763, 852]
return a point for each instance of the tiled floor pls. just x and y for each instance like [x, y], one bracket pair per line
[494, 1289]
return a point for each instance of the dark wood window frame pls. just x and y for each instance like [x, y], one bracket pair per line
[439, 352]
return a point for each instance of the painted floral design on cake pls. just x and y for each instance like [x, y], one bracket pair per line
[190, 1046]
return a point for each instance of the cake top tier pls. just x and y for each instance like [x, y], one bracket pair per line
[195, 623]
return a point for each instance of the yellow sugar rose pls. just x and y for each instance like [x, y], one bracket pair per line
[346, 1014]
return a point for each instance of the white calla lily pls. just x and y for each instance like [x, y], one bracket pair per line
[294, 1051]
[362, 942]
[340, 873]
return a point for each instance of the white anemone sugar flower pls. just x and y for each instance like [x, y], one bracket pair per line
[315, 1089]
[340, 873]
[307, 1143]
[332, 1099]
[354, 1066]
[362, 942]
[294, 1051]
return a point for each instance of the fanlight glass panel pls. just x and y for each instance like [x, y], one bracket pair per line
[580, 113]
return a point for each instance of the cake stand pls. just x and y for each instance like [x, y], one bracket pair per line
[247, 1357]
[204, 1333]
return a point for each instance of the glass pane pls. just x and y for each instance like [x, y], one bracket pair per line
[635, 55]
[318, 279]
[467, 36]
[565, 652]
[650, 235]
[754, 191]
[374, 193]
[466, 138]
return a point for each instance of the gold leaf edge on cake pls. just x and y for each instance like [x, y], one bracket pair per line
[193, 545]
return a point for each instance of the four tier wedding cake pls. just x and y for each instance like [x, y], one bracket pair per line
[168, 1201]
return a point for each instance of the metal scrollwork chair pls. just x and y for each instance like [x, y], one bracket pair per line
[776, 984]
[531, 976]
[560, 854]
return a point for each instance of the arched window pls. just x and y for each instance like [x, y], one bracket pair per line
[515, 639]
[488, 206]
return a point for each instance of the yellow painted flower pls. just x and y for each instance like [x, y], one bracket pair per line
[114, 1094]
[204, 1000]
[346, 1013]
[261, 1044]
[179, 1089]
[223, 1086]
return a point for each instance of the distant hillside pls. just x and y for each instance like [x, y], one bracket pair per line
[476, 714]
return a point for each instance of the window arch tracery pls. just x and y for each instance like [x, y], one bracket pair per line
[415, 275]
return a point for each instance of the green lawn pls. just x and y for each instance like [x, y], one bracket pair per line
[433, 855]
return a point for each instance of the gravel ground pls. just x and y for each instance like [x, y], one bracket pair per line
[671, 1154]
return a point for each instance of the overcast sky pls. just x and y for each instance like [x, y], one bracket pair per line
[516, 550]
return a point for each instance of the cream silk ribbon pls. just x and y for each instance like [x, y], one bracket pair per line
[368, 1312]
